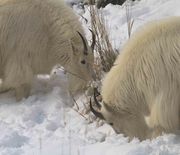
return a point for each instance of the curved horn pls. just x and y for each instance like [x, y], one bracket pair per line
[96, 93]
[97, 114]
[93, 39]
[84, 43]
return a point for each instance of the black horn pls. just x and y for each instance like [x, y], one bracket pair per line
[96, 93]
[93, 39]
[84, 43]
[97, 114]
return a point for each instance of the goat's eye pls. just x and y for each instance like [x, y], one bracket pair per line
[83, 61]
[111, 124]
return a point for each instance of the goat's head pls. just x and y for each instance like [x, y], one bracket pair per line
[111, 114]
[102, 111]
[122, 119]
[82, 59]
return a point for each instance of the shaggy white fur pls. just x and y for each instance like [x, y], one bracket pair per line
[37, 35]
[141, 92]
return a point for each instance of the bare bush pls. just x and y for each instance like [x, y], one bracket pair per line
[105, 54]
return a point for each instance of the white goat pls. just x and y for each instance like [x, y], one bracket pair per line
[141, 93]
[37, 35]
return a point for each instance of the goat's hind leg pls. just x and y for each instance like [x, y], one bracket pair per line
[164, 116]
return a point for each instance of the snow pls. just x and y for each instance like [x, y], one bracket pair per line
[46, 122]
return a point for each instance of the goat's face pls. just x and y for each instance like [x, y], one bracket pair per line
[122, 120]
[80, 70]
[112, 117]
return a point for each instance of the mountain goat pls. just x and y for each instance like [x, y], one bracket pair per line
[37, 35]
[141, 93]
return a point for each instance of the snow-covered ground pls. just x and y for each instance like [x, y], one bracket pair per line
[47, 124]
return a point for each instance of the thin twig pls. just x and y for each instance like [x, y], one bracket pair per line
[80, 114]
[73, 74]
[129, 19]
[74, 100]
